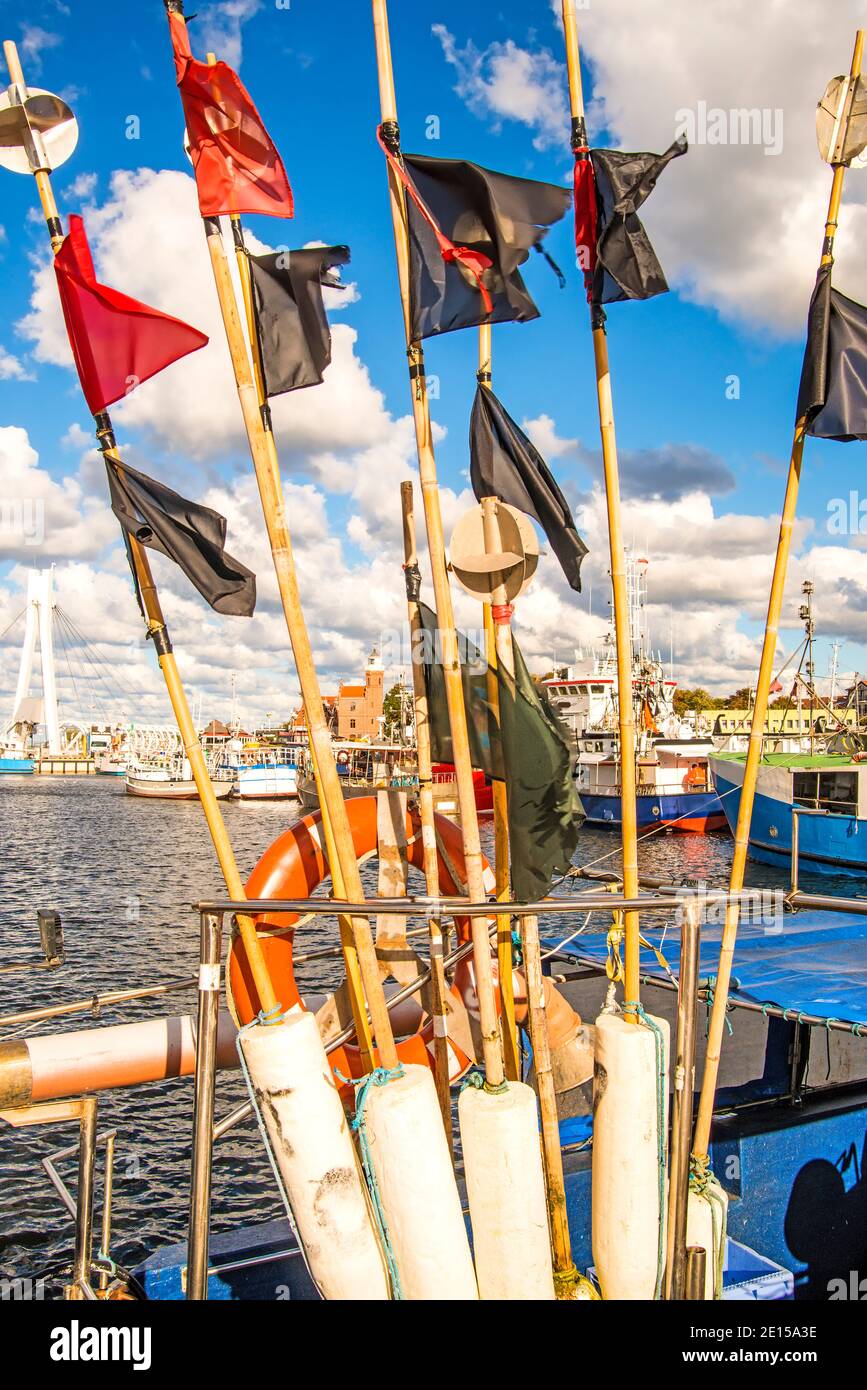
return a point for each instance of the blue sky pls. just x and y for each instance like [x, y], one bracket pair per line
[738, 232]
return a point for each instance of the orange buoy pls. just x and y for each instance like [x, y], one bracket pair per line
[293, 867]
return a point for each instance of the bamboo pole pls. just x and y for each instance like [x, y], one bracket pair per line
[684, 1092]
[508, 1027]
[626, 719]
[565, 1273]
[491, 1045]
[347, 940]
[439, 988]
[263, 451]
[716, 1025]
[158, 632]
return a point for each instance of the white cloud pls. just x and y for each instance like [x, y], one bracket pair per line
[42, 517]
[506, 82]
[11, 368]
[33, 43]
[220, 30]
[81, 189]
[543, 433]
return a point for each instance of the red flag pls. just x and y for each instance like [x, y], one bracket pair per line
[116, 341]
[236, 163]
[585, 215]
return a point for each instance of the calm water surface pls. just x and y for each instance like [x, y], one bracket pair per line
[123, 872]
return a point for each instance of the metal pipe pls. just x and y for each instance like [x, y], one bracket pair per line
[684, 1090]
[696, 1263]
[242, 1112]
[84, 1200]
[97, 1002]
[793, 866]
[203, 1111]
[417, 905]
[107, 1195]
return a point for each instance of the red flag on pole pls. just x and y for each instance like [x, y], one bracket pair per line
[585, 215]
[236, 163]
[116, 341]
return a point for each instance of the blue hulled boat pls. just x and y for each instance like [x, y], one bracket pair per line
[827, 793]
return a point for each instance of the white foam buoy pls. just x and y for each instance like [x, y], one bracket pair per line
[706, 1220]
[417, 1190]
[313, 1149]
[506, 1192]
[625, 1199]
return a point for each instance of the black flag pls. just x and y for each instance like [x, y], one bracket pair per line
[833, 389]
[464, 270]
[291, 326]
[625, 262]
[505, 464]
[191, 535]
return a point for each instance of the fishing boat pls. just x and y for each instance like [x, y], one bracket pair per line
[171, 779]
[362, 768]
[819, 798]
[674, 788]
[15, 763]
[262, 773]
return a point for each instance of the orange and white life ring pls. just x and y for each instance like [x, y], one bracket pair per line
[293, 867]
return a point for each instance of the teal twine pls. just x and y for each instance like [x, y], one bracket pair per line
[380, 1076]
[517, 948]
[477, 1080]
[700, 1182]
[633, 1007]
[273, 1015]
[709, 987]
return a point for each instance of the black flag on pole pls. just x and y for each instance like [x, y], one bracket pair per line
[833, 390]
[469, 230]
[505, 464]
[625, 264]
[291, 325]
[191, 535]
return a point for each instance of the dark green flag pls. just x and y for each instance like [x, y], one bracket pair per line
[529, 750]
[485, 748]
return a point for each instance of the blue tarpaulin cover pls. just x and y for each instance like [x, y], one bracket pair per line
[811, 962]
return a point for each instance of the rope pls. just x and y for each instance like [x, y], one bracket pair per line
[380, 1076]
[704, 1184]
[631, 1006]
[709, 998]
[272, 1016]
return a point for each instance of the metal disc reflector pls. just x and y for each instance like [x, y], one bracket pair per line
[513, 564]
[37, 130]
[841, 122]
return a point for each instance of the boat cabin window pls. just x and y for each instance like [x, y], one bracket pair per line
[827, 791]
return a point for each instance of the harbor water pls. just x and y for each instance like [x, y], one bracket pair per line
[123, 873]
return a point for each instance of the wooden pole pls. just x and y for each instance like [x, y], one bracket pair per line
[492, 1049]
[158, 633]
[684, 1092]
[508, 1027]
[626, 719]
[565, 1273]
[347, 940]
[266, 465]
[716, 1025]
[439, 988]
